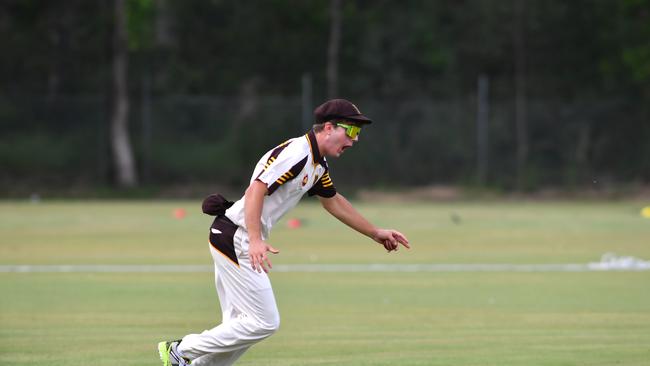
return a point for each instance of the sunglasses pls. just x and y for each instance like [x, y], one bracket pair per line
[351, 131]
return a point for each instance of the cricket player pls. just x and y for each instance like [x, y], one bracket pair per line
[239, 235]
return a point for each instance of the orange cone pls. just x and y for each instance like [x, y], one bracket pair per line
[294, 223]
[179, 213]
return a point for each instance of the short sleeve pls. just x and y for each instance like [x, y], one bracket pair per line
[324, 187]
[281, 167]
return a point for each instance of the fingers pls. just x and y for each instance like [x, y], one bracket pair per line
[257, 263]
[268, 262]
[260, 261]
[394, 239]
[390, 244]
[402, 240]
[254, 262]
[266, 259]
[387, 245]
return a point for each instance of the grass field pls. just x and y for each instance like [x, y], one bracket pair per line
[422, 318]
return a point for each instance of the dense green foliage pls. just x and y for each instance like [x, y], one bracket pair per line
[213, 84]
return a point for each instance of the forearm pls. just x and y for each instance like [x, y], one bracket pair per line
[257, 249]
[343, 210]
[253, 202]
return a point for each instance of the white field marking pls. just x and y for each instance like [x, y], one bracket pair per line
[107, 268]
[117, 268]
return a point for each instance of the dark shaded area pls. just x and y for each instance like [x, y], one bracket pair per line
[214, 84]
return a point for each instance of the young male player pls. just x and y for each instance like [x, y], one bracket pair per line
[238, 238]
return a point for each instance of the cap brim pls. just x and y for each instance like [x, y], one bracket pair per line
[360, 118]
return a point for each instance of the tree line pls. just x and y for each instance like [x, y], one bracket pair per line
[513, 94]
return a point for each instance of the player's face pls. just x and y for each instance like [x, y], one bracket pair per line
[339, 141]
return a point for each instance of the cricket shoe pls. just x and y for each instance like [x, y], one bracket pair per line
[170, 355]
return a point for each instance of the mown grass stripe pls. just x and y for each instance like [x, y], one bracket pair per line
[143, 268]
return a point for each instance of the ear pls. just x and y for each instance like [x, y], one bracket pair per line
[329, 126]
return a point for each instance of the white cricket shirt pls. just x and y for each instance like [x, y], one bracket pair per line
[289, 170]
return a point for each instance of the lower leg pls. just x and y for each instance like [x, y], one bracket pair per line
[219, 359]
[234, 335]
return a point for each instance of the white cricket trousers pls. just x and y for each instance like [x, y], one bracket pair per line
[249, 311]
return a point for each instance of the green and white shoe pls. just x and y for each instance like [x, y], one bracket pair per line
[170, 356]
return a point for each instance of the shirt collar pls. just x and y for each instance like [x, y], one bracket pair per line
[313, 145]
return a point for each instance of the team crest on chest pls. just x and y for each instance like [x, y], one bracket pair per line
[304, 180]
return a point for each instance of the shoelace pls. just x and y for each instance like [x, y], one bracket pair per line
[177, 359]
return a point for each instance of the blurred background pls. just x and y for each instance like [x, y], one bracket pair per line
[489, 104]
[180, 98]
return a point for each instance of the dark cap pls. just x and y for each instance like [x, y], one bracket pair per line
[339, 109]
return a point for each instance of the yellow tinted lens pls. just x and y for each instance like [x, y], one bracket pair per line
[351, 131]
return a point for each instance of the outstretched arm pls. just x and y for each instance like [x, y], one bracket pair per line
[257, 248]
[342, 209]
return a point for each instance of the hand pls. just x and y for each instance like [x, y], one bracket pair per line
[257, 254]
[391, 239]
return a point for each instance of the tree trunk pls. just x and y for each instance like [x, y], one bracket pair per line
[582, 151]
[164, 23]
[521, 125]
[120, 143]
[482, 117]
[333, 49]
[307, 105]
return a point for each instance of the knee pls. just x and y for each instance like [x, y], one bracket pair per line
[268, 324]
[271, 325]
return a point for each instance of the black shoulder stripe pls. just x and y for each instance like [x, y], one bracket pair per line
[296, 169]
[324, 187]
[275, 153]
[289, 175]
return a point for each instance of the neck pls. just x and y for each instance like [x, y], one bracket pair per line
[320, 140]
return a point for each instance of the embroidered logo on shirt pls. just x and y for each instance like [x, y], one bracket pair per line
[304, 180]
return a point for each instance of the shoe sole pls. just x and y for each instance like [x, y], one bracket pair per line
[164, 353]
